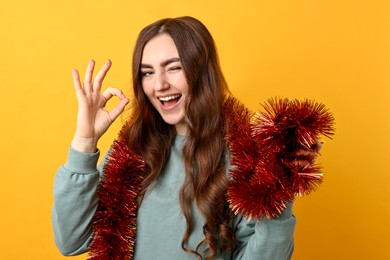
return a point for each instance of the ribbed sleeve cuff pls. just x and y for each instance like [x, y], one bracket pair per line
[84, 163]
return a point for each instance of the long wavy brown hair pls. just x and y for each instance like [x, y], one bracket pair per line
[204, 152]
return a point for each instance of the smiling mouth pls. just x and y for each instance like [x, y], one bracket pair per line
[169, 100]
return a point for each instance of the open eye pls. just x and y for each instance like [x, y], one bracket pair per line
[146, 73]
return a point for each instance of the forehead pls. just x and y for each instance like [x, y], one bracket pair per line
[158, 49]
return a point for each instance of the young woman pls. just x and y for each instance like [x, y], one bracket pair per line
[180, 180]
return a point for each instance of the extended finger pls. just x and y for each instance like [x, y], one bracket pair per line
[88, 76]
[76, 82]
[318, 145]
[97, 82]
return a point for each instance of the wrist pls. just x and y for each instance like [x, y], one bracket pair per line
[84, 145]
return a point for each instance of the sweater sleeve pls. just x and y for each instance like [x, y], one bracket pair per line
[266, 239]
[75, 202]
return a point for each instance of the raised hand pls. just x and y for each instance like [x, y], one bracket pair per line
[93, 119]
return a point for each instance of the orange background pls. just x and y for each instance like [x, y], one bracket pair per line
[336, 52]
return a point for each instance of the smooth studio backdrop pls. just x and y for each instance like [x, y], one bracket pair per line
[336, 52]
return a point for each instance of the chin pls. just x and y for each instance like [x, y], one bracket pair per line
[172, 121]
[177, 122]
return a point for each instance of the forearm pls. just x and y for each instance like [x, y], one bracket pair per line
[267, 239]
[75, 202]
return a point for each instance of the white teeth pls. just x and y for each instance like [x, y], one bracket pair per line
[169, 98]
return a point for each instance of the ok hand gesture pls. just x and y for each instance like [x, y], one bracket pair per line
[93, 119]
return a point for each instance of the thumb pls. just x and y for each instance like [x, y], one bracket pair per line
[118, 109]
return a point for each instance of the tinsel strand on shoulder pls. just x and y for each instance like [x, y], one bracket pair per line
[268, 166]
[114, 224]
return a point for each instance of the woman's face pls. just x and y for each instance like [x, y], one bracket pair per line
[164, 81]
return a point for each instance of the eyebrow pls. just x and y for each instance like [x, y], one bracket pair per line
[162, 64]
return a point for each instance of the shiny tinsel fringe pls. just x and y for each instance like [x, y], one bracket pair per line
[115, 220]
[277, 162]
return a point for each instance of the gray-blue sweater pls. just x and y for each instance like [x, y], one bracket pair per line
[160, 223]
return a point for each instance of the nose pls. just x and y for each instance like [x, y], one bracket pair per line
[161, 82]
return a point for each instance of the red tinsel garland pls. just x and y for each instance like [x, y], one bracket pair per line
[277, 172]
[115, 219]
[267, 170]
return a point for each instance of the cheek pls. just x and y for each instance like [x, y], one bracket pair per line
[185, 87]
[186, 91]
[149, 96]
[147, 90]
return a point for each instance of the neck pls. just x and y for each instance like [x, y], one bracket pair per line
[181, 128]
